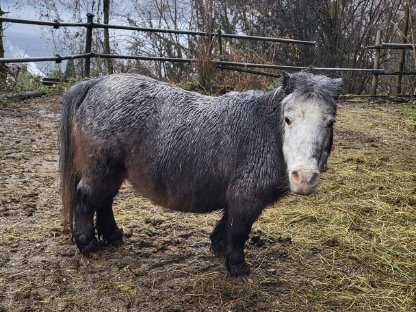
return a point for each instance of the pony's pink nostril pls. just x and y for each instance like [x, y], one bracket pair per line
[305, 177]
[295, 176]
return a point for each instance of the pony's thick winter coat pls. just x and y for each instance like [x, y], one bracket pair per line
[182, 150]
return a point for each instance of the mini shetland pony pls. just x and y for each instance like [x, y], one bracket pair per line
[189, 152]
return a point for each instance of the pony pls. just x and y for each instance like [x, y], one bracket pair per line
[189, 152]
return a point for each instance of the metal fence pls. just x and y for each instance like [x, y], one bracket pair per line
[90, 25]
[238, 66]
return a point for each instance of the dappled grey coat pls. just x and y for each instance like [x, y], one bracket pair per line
[186, 149]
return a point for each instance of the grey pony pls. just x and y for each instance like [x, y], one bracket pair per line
[184, 151]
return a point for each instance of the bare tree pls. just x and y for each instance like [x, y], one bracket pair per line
[106, 13]
[72, 40]
[341, 28]
[3, 67]
[398, 87]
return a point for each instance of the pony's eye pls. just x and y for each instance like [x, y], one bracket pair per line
[330, 124]
[288, 121]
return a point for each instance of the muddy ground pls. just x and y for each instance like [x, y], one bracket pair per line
[350, 246]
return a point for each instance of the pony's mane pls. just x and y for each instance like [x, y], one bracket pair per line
[308, 85]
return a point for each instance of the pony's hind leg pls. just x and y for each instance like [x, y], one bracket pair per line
[106, 224]
[84, 233]
[95, 192]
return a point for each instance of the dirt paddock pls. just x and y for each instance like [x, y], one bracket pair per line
[349, 246]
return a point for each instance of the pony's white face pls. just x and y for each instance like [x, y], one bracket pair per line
[307, 138]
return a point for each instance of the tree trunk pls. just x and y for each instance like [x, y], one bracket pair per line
[106, 10]
[204, 10]
[3, 67]
[376, 63]
[398, 89]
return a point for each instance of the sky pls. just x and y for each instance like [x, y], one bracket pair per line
[21, 40]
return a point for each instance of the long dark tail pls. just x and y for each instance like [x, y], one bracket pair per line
[70, 103]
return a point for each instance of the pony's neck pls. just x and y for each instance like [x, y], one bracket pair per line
[272, 103]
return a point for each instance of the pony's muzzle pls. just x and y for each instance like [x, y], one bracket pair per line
[303, 182]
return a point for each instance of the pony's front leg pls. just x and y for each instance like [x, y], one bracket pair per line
[84, 232]
[219, 235]
[241, 216]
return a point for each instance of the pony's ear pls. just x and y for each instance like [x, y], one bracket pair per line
[338, 86]
[287, 83]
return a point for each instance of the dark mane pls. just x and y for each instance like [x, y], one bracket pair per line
[305, 84]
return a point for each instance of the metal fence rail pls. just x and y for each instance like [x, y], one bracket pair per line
[218, 63]
[57, 24]
[386, 45]
[237, 66]
[56, 58]
[90, 25]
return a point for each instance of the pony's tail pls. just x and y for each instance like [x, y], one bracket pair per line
[69, 180]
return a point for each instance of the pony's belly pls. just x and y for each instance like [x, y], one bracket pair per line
[198, 199]
[174, 189]
[144, 187]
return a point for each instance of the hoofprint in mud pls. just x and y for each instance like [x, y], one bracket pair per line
[188, 152]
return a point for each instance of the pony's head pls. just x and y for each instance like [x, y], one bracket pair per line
[308, 112]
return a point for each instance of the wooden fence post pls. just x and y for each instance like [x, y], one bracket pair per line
[219, 35]
[376, 63]
[88, 41]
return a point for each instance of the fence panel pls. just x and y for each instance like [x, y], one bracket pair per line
[238, 66]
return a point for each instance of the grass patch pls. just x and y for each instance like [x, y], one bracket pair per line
[360, 223]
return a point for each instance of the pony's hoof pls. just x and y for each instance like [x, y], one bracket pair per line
[86, 243]
[115, 238]
[92, 246]
[239, 270]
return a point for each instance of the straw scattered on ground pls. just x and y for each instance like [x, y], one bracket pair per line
[349, 246]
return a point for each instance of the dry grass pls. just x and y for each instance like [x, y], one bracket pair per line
[361, 222]
[351, 246]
